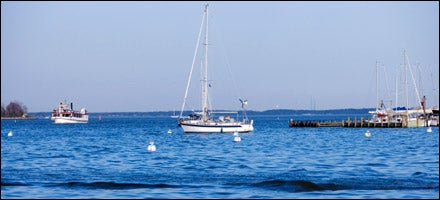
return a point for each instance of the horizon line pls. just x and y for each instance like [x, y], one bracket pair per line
[285, 109]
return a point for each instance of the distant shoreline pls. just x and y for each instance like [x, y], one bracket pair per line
[30, 117]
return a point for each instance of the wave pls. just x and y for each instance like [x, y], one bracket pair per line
[296, 185]
[111, 185]
[5, 184]
[347, 184]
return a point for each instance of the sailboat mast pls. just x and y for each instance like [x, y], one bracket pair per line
[397, 78]
[205, 72]
[377, 87]
[406, 83]
[414, 81]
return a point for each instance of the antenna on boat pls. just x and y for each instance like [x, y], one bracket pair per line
[243, 103]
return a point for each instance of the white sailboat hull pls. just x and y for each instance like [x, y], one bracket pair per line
[211, 127]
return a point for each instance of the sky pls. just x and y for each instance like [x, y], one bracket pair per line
[136, 56]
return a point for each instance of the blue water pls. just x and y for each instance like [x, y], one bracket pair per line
[108, 158]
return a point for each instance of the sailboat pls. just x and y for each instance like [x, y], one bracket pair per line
[174, 115]
[204, 121]
[381, 113]
[409, 117]
[416, 116]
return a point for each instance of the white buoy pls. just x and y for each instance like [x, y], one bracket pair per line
[429, 130]
[236, 137]
[368, 134]
[169, 131]
[151, 147]
[10, 133]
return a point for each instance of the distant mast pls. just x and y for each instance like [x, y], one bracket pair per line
[377, 88]
[406, 86]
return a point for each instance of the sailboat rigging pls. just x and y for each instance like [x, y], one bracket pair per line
[409, 117]
[204, 121]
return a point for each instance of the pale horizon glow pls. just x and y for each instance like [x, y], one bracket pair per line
[136, 56]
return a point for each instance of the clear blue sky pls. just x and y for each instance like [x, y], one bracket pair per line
[136, 56]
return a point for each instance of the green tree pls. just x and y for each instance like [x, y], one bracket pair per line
[14, 109]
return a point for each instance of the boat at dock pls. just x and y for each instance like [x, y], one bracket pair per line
[64, 114]
[386, 116]
[418, 116]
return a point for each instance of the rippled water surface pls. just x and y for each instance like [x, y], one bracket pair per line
[108, 158]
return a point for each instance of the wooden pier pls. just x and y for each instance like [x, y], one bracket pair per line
[372, 123]
[314, 123]
[362, 123]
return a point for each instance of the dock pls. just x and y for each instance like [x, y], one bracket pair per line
[314, 123]
[349, 123]
[372, 123]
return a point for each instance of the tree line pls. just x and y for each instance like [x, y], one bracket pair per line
[14, 109]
